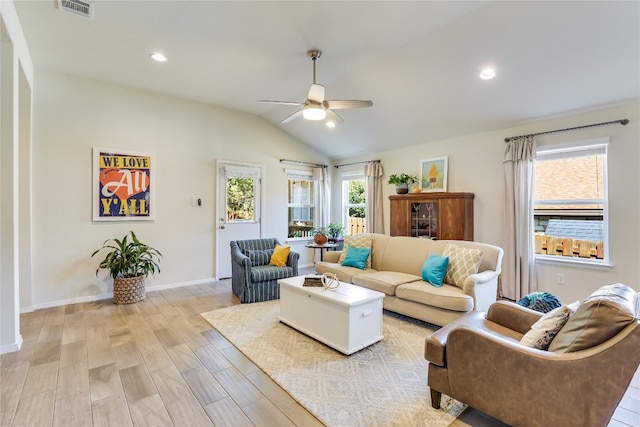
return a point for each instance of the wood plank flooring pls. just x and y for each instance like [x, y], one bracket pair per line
[158, 362]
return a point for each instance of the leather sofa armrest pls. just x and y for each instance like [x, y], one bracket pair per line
[513, 316]
[436, 344]
[331, 256]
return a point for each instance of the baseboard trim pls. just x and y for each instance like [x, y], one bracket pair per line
[110, 295]
[10, 348]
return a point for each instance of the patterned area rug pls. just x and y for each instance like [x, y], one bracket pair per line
[382, 385]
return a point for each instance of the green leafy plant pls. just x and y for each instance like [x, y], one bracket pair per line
[335, 230]
[322, 231]
[402, 179]
[129, 257]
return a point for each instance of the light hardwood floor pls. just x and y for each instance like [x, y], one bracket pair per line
[157, 362]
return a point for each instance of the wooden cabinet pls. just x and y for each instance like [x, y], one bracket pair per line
[442, 216]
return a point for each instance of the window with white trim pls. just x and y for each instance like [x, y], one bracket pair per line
[354, 207]
[570, 207]
[302, 202]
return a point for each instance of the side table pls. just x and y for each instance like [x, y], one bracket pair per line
[322, 248]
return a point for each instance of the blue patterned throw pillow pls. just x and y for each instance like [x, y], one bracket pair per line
[259, 257]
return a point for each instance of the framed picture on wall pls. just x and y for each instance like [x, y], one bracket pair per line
[433, 174]
[123, 185]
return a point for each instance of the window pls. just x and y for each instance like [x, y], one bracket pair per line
[570, 202]
[240, 199]
[302, 201]
[353, 203]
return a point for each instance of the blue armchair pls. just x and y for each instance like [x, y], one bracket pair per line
[252, 278]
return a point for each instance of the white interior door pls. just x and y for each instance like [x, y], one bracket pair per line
[239, 209]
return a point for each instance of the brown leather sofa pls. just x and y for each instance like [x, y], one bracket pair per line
[478, 360]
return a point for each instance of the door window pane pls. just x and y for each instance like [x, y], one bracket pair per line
[240, 199]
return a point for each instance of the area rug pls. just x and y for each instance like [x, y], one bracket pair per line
[384, 384]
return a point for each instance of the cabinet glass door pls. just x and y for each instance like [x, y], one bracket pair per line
[424, 222]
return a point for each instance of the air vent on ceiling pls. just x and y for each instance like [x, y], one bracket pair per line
[78, 7]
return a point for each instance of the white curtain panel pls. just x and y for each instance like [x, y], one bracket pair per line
[324, 194]
[373, 174]
[518, 266]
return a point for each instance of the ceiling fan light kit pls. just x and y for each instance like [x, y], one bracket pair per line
[314, 113]
[315, 107]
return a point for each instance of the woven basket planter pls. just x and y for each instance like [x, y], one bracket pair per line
[127, 290]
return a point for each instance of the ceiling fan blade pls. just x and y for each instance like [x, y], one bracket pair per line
[316, 93]
[264, 101]
[334, 117]
[292, 117]
[343, 105]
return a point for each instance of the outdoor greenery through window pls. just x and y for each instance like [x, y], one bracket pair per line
[353, 203]
[240, 199]
[301, 204]
[570, 202]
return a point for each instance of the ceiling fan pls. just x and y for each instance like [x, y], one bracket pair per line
[316, 107]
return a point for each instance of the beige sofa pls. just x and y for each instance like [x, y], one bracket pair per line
[396, 270]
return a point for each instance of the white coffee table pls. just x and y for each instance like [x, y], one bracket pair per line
[347, 319]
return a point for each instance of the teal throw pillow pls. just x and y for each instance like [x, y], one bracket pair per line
[357, 257]
[434, 269]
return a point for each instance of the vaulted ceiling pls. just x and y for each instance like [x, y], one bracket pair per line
[418, 61]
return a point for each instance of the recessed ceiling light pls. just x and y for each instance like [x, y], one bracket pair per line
[158, 57]
[487, 74]
[330, 124]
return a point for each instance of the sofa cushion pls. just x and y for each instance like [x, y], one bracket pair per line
[546, 328]
[601, 316]
[265, 273]
[447, 297]
[344, 273]
[258, 256]
[384, 281]
[462, 263]
[357, 241]
[357, 257]
[280, 255]
[434, 269]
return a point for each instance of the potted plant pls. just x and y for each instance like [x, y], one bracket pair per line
[129, 262]
[320, 235]
[335, 231]
[402, 182]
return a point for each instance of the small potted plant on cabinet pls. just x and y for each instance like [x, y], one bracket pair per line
[402, 182]
[129, 262]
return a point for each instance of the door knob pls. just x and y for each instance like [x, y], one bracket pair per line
[222, 227]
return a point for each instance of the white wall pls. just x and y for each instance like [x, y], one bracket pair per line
[16, 77]
[475, 165]
[72, 115]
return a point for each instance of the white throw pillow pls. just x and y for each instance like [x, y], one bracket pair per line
[547, 327]
[462, 262]
[357, 241]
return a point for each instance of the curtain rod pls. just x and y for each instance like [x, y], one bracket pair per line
[296, 162]
[621, 121]
[357, 163]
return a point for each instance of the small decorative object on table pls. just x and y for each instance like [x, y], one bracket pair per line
[320, 235]
[313, 280]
